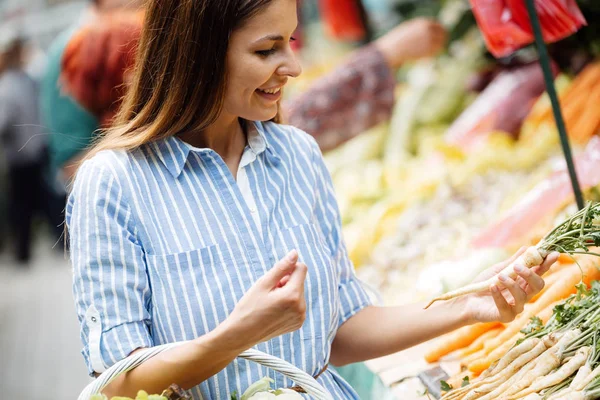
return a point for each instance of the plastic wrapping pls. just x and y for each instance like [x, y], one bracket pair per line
[506, 27]
[543, 201]
[342, 19]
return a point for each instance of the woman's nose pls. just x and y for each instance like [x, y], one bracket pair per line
[291, 67]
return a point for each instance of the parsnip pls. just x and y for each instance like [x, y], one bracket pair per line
[512, 354]
[547, 362]
[581, 375]
[495, 394]
[532, 257]
[588, 379]
[566, 370]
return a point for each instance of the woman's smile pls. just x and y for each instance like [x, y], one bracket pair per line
[271, 95]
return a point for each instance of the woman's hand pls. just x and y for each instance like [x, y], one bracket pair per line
[412, 40]
[505, 303]
[274, 306]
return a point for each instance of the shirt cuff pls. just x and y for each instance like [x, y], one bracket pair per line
[353, 298]
[116, 344]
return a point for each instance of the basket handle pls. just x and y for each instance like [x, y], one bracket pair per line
[304, 380]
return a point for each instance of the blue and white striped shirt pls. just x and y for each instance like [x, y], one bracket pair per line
[164, 243]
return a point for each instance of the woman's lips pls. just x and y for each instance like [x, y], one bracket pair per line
[270, 94]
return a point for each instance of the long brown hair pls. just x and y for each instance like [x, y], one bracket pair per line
[179, 78]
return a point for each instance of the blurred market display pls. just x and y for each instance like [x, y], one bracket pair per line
[470, 139]
[468, 170]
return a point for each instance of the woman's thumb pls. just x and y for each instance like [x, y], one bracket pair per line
[282, 268]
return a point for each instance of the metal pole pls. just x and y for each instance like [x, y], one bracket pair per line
[549, 79]
[364, 17]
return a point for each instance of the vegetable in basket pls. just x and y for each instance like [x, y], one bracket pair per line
[174, 392]
[573, 236]
[261, 390]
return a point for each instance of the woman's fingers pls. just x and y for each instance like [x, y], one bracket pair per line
[519, 296]
[529, 281]
[506, 310]
[548, 262]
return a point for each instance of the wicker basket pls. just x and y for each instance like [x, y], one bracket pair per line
[307, 382]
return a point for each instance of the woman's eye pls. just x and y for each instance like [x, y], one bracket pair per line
[266, 53]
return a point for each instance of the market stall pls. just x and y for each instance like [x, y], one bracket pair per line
[481, 174]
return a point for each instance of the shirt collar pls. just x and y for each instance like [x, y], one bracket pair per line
[174, 152]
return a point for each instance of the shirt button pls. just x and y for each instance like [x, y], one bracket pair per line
[253, 210]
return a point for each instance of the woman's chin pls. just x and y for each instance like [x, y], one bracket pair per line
[265, 114]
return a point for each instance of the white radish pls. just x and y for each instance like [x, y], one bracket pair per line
[532, 257]
[566, 370]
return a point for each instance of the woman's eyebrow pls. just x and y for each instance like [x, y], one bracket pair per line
[274, 38]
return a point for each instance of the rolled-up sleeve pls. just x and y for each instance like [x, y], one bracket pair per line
[352, 295]
[110, 285]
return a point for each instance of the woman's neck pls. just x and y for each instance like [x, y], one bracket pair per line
[225, 136]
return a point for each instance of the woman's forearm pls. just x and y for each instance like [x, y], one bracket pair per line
[392, 329]
[187, 365]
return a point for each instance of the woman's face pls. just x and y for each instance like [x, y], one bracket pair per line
[260, 61]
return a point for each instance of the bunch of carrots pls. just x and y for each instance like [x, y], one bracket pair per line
[579, 104]
[559, 359]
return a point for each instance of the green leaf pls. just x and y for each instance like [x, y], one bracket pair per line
[582, 290]
[535, 324]
[445, 386]
[465, 382]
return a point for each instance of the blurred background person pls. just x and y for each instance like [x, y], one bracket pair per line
[23, 143]
[70, 124]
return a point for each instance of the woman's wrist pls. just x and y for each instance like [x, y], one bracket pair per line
[229, 337]
[460, 308]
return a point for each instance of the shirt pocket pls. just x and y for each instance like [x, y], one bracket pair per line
[321, 288]
[192, 292]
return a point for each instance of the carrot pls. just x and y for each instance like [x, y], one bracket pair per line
[549, 280]
[558, 376]
[458, 339]
[480, 341]
[577, 89]
[587, 123]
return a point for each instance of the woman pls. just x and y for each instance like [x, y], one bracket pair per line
[198, 218]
